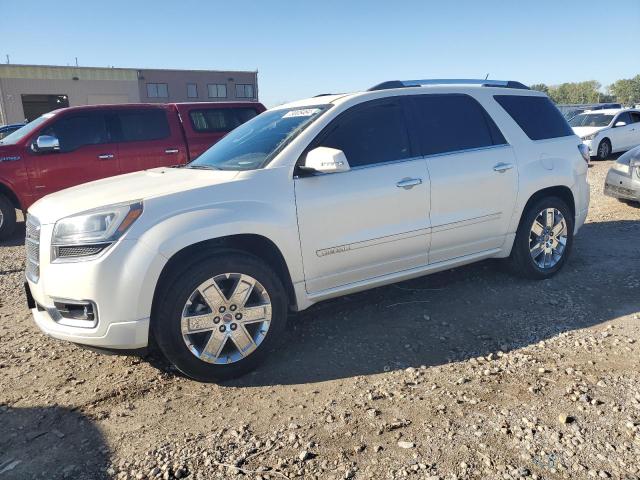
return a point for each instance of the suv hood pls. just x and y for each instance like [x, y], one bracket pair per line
[582, 131]
[124, 188]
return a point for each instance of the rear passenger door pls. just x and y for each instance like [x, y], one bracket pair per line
[474, 178]
[204, 126]
[147, 139]
[635, 129]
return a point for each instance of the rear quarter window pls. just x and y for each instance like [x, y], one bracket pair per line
[220, 119]
[537, 116]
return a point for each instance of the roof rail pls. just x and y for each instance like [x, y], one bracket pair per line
[448, 81]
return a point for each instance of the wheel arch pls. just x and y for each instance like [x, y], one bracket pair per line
[561, 191]
[10, 194]
[252, 244]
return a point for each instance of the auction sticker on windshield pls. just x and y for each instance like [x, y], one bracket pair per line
[302, 112]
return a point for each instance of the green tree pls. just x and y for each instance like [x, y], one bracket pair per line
[540, 87]
[626, 90]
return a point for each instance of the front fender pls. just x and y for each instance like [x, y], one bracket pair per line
[170, 235]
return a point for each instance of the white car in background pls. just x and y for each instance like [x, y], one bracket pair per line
[608, 131]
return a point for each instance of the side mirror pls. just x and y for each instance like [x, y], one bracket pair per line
[46, 143]
[620, 124]
[326, 160]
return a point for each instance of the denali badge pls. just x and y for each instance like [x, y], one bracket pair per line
[331, 251]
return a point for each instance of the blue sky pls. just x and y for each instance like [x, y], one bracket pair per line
[305, 48]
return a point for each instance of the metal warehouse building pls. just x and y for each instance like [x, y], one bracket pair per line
[28, 91]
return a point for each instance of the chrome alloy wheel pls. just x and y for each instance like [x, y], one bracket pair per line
[226, 318]
[1, 218]
[548, 238]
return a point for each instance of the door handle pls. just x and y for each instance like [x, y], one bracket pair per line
[408, 183]
[502, 167]
[105, 156]
[169, 151]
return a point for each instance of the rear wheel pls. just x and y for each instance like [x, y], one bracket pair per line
[544, 239]
[7, 217]
[219, 317]
[604, 149]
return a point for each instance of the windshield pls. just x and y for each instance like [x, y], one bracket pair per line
[591, 120]
[253, 144]
[22, 132]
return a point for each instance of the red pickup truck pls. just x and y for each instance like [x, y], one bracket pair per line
[79, 144]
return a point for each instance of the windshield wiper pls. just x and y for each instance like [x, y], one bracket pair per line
[203, 167]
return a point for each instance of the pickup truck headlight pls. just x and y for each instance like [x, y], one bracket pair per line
[89, 233]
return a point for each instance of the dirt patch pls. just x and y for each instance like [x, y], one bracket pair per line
[470, 373]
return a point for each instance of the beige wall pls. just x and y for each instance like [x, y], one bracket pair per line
[177, 80]
[90, 86]
[79, 92]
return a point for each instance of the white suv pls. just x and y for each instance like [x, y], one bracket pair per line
[308, 201]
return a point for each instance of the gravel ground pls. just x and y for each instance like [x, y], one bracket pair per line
[470, 373]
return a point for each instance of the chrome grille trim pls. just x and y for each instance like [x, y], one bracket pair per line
[32, 246]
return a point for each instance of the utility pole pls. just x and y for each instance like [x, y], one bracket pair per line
[8, 62]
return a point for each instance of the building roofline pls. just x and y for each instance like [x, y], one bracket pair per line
[31, 65]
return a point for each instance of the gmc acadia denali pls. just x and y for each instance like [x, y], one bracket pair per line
[307, 201]
[74, 145]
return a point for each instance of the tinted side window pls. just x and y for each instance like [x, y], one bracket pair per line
[139, 125]
[220, 119]
[635, 117]
[623, 117]
[450, 123]
[75, 131]
[538, 117]
[370, 134]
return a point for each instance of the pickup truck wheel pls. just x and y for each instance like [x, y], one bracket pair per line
[7, 217]
[221, 316]
[543, 240]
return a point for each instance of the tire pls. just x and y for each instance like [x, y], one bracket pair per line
[523, 259]
[7, 217]
[179, 300]
[604, 149]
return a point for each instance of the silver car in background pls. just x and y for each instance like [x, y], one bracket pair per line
[623, 179]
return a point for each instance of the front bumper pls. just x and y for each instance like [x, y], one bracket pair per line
[622, 185]
[120, 284]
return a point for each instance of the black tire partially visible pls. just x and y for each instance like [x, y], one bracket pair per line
[7, 217]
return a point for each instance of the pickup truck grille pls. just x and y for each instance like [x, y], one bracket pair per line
[32, 245]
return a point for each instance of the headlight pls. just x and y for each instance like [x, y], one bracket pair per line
[589, 137]
[89, 233]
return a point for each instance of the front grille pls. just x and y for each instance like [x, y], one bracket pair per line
[32, 245]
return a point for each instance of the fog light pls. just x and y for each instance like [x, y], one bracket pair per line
[76, 310]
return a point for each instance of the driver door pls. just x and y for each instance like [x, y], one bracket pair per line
[85, 153]
[372, 220]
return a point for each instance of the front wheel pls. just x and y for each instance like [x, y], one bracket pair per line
[543, 240]
[218, 318]
[604, 149]
[7, 217]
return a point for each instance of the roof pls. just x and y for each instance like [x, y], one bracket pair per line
[395, 88]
